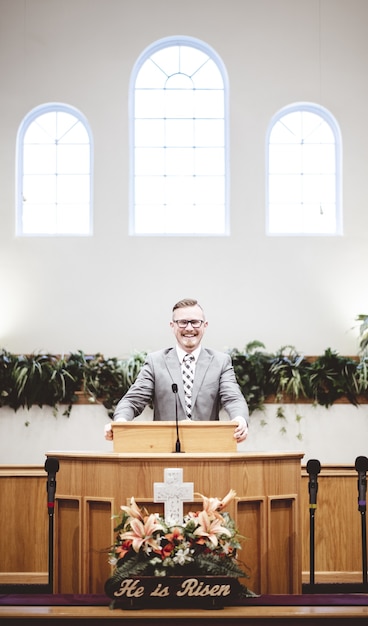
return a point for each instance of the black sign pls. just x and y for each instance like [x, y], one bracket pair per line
[167, 591]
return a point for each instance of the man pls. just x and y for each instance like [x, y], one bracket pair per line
[209, 379]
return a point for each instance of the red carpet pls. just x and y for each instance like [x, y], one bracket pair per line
[337, 599]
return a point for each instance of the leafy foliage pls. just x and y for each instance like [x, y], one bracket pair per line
[363, 333]
[252, 369]
[286, 375]
[332, 377]
[49, 380]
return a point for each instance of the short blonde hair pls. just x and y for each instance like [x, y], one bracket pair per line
[187, 302]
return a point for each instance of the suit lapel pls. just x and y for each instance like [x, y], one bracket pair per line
[202, 366]
[174, 368]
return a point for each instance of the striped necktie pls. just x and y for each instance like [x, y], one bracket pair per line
[188, 377]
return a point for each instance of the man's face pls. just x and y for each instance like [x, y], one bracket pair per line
[188, 337]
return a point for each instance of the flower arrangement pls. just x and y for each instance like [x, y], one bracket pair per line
[205, 543]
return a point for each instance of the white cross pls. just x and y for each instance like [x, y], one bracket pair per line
[173, 492]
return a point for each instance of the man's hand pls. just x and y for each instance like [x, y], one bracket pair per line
[241, 431]
[109, 435]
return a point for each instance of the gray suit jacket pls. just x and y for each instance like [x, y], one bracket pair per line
[214, 386]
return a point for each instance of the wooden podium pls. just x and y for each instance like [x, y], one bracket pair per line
[151, 436]
[91, 487]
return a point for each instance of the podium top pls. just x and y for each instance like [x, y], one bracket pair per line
[200, 436]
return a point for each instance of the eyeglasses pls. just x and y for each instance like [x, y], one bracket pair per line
[193, 323]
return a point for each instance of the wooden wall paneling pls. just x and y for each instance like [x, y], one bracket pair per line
[98, 538]
[67, 544]
[251, 516]
[281, 545]
[23, 525]
[277, 477]
[337, 526]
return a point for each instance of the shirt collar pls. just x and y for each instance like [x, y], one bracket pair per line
[181, 353]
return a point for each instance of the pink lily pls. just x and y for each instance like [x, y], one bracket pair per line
[210, 528]
[212, 505]
[142, 533]
[133, 510]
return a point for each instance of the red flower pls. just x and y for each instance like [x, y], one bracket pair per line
[166, 550]
[122, 550]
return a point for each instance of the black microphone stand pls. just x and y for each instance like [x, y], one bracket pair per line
[51, 467]
[51, 553]
[364, 547]
[313, 469]
[312, 509]
[174, 387]
[361, 465]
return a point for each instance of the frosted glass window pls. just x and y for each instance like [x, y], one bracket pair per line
[303, 172]
[54, 173]
[179, 165]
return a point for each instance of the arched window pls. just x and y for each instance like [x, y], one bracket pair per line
[303, 185]
[179, 140]
[54, 172]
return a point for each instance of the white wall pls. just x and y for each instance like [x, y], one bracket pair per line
[112, 293]
[334, 436]
[27, 435]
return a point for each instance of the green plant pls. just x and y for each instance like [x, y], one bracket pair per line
[280, 414]
[109, 379]
[251, 369]
[7, 386]
[333, 376]
[362, 375]
[37, 379]
[50, 380]
[287, 375]
[363, 333]
[46, 379]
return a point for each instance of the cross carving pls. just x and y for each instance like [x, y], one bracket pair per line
[173, 492]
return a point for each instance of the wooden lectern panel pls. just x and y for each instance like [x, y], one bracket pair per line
[201, 436]
[93, 486]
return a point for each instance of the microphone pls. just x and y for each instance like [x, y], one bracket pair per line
[361, 466]
[313, 469]
[51, 467]
[174, 387]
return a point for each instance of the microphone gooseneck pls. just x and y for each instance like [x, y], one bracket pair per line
[174, 387]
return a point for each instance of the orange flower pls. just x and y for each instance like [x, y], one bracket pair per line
[175, 535]
[122, 550]
[166, 550]
[173, 539]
